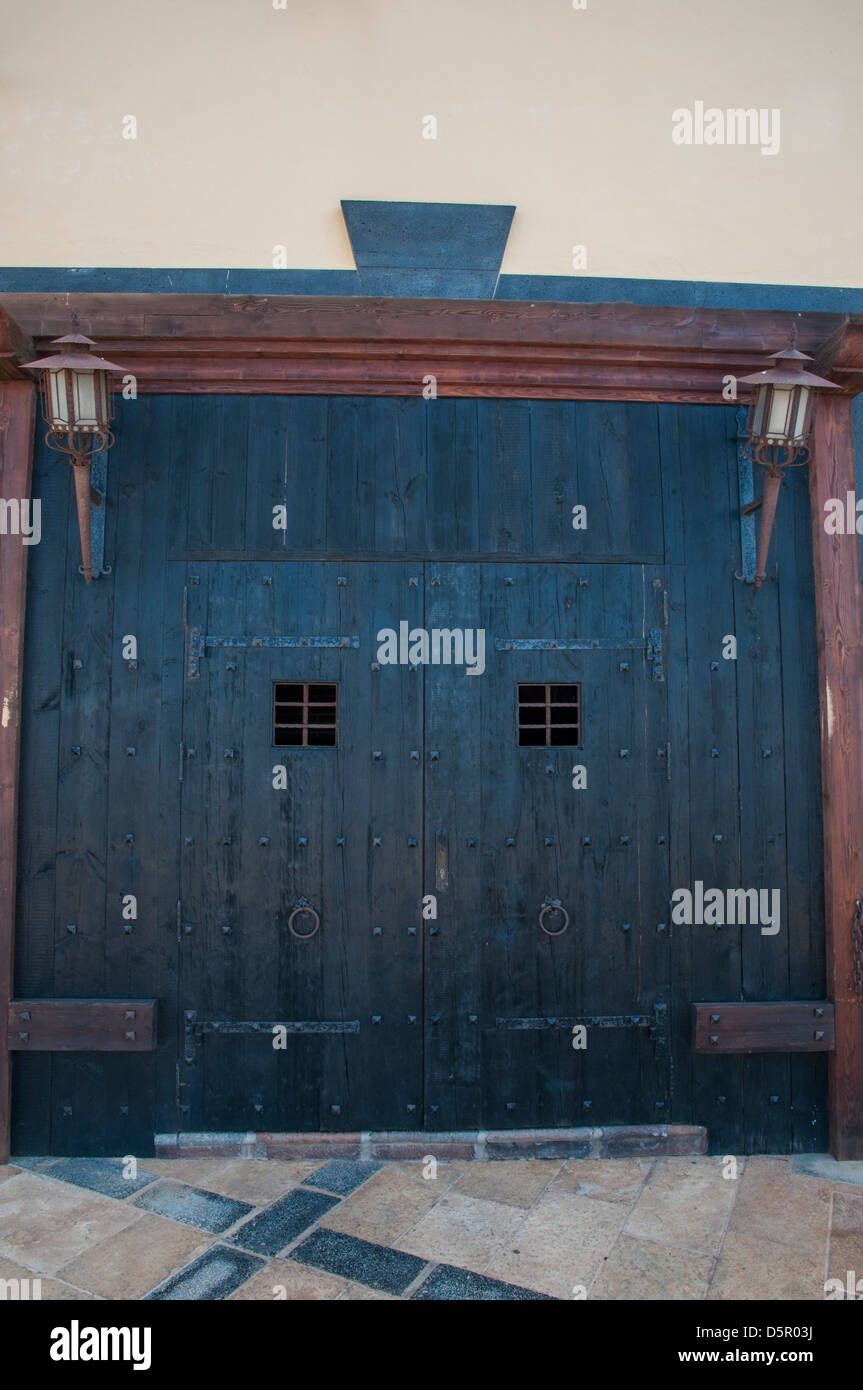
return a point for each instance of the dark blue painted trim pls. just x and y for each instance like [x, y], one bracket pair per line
[427, 236]
[561, 288]
[87, 280]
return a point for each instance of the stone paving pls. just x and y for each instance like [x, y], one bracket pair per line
[609, 1229]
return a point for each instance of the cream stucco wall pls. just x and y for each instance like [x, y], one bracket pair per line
[253, 122]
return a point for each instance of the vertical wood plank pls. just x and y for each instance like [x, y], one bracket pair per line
[17, 406]
[839, 610]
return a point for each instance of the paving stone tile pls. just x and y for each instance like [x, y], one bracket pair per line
[8, 1170]
[43, 1223]
[39, 1288]
[846, 1259]
[448, 1282]
[611, 1180]
[258, 1180]
[192, 1206]
[103, 1175]
[465, 1231]
[359, 1260]
[343, 1175]
[828, 1168]
[518, 1183]
[386, 1206]
[360, 1293]
[776, 1204]
[686, 1202]
[213, 1275]
[644, 1269]
[189, 1170]
[846, 1217]
[750, 1267]
[128, 1264]
[561, 1242]
[276, 1226]
[281, 1280]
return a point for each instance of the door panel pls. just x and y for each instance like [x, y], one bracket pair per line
[519, 834]
[337, 836]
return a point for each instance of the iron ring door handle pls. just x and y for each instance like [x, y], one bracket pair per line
[553, 905]
[304, 906]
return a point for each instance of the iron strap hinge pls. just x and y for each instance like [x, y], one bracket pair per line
[196, 1028]
[656, 1023]
[200, 642]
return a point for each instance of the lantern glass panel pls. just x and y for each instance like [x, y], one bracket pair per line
[804, 396]
[758, 407]
[781, 418]
[58, 400]
[87, 401]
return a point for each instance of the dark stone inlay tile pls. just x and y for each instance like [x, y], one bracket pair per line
[342, 1175]
[215, 1274]
[360, 1260]
[275, 1227]
[103, 1175]
[449, 1282]
[192, 1206]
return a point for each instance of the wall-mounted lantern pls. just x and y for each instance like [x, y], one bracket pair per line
[78, 407]
[778, 425]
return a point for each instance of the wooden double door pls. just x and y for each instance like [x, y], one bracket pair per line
[418, 894]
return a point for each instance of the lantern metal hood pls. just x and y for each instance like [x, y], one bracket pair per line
[778, 425]
[77, 406]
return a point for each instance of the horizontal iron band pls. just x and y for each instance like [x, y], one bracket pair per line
[585, 1020]
[570, 644]
[230, 1026]
[210, 641]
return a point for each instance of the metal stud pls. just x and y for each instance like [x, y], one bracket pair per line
[510, 1105]
[302, 841]
[341, 581]
[127, 928]
[714, 752]
[377, 931]
[550, 770]
[767, 752]
[376, 842]
[226, 839]
[415, 757]
[714, 1018]
[434, 929]
[714, 665]
[434, 583]
[471, 842]
[227, 929]
[375, 666]
[623, 840]
[583, 583]
[624, 753]
[77, 664]
[412, 841]
[717, 839]
[413, 583]
[131, 664]
[412, 1018]
[264, 840]
[377, 755]
[434, 755]
[626, 926]
[660, 926]
[472, 1018]
[510, 841]
[376, 1018]
[267, 579]
[412, 931]
[660, 839]
[549, 840]
[67, 1110]
[230, 665]
[585, 839]
[435, 1018]
[229, 753]
[131, 752]
[129, 838]
[194, 579]
[714, 1039]
[340, 842]
[411, 1109]
[72, 929]
[623, 666]
[434, 1109]
[586, 1104]
[774, 1100]
[335, 1110]
[508, 581]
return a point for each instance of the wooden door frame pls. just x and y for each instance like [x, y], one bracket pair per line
[298, 345]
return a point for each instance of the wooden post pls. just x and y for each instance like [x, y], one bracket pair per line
[839, 617]
[17, 401]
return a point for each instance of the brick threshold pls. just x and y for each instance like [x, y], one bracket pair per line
[610, 1141]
